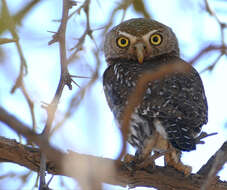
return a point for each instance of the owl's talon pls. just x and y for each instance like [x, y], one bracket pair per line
[133, 163]
[128, 158]
[172, 159]
[146, 163]
[130, 162]
[185, 169]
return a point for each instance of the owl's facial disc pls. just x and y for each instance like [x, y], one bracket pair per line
[138, 47]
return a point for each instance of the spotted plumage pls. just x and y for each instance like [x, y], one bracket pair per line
[174, 107]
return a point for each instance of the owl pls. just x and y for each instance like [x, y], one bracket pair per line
[173, 109]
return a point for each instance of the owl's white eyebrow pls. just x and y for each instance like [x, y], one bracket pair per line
[127, 35]
[146, 36]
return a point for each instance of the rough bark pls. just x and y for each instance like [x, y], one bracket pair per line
[159, 177]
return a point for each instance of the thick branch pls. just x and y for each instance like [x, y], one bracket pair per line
[204, 170]
[214, 165]
[82, 167]
[159, 177]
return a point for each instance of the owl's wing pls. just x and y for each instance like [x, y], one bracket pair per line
[112, 92]
[178, 101]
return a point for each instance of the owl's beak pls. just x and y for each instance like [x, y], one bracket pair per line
[140, 51]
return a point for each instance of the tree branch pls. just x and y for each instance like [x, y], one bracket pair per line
[65, 79]
[214, 165]
[82, 167]
[159, 177]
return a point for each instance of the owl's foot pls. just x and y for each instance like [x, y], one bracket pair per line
[144, 164]
[150, 161]
[128, 158]
[133, 163]
[130, 162]
[172, 159]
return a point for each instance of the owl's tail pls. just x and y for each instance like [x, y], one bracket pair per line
[180, 135]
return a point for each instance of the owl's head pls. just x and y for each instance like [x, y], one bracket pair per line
[139, 40]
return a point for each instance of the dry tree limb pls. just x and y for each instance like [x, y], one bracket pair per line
[160, 177]
[207, 49]
[207, 167]
[82, 167]
[19, 84]
[140, 7]
[87, 32]
[6, 40]
[79, 95]
[121, 6]
[11, 26]
[65, 79]
[213, 166]
[76, 167]
[20, 15]
[221, 47]
[222, 25]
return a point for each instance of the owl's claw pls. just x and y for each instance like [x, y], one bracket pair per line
[134, 162]
[172, 159]
[185, 169]
[130, 162]
[128, 158]
[144, 164]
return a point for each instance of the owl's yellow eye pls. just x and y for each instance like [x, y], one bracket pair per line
[156, 39]
[123, 42]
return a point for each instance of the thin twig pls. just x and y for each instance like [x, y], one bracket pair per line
[211, 67]
[12, 28]
[65, 79]
[6, 40]
[206, 50]
[19, 16]
[222, 48]
[30, 104]
[88, 31]
[222, 25]
[78, 96]
[19, 84]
